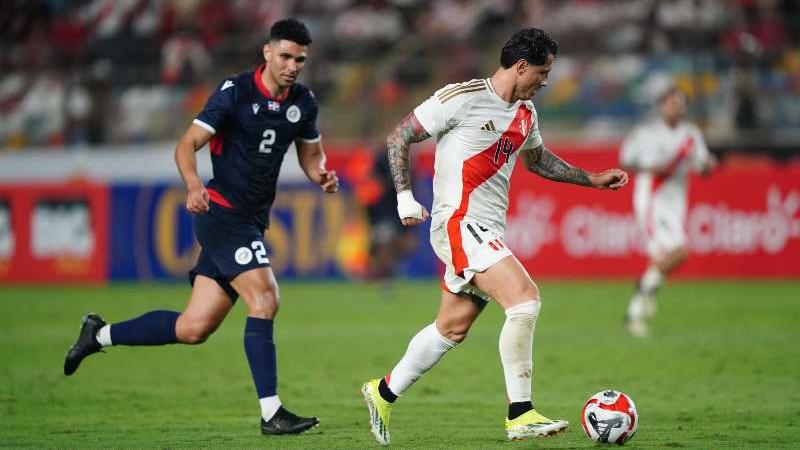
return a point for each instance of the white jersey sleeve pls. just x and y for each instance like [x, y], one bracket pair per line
[701, 155]
[628, 155]
[534, 138]
[440, 112]
[432, 116]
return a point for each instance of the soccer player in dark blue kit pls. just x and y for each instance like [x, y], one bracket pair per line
[250, 121]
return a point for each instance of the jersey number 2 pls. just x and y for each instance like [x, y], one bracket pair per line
[269, 139]
[260, 252]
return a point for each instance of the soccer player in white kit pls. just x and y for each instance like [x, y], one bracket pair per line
[481, 127]
[662, 152]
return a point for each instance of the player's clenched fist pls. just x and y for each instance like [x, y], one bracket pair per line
[328, 181]
[609, 179]
[197, 200]
[411, 212]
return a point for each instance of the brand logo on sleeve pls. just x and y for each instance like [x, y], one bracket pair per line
[226, 85]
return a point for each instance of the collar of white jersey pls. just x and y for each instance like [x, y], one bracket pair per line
[497, 97]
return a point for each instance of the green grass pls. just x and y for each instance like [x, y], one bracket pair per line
[722, 369]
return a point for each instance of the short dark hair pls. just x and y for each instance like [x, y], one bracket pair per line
[291, 30]
[531, 44]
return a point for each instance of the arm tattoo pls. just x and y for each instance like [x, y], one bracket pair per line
[547, 165]
[406, 133]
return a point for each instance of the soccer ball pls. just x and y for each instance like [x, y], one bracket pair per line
[610, 417]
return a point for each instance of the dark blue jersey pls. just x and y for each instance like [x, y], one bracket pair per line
[252, 132]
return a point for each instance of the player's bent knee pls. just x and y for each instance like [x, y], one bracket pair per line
[264, 305]
[532, 294]
[194, 333]
[194, 339]
[523, 296]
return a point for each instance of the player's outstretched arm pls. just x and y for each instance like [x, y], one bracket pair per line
[544, 163]
[709, 165]
[399, 142]
[312, 160]
[193, 140]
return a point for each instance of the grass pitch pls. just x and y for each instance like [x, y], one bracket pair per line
[721, 370]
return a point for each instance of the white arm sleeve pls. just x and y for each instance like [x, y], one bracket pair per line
[431, 115]
[628, 152]
[442, 110]
[701, 155]
[534, 138]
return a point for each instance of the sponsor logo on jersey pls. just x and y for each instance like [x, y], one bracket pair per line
[523, 127]
[293, 114]
[243, 255]
[226, 85]
[273, 106]
[256, 107]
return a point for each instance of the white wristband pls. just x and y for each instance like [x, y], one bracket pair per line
[407, 206]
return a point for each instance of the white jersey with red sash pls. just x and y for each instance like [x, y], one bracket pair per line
[664, 157]
[478, 138]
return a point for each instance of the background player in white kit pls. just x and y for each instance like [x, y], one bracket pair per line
[481, 126]
[662, 152]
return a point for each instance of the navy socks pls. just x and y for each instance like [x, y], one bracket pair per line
[158, 328]
[153, 328]
[260, 350]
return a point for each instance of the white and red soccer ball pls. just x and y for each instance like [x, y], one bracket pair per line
[610, 417]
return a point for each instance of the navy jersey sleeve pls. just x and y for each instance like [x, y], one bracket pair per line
[218, 109]
[309, 131]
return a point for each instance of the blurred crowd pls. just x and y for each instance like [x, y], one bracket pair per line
[90, 72]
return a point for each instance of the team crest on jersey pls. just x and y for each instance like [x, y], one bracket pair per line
[293, 114]
[256, 107]
[273, 106]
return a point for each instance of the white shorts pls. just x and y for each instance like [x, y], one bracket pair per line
[664, 233]
[466, 250]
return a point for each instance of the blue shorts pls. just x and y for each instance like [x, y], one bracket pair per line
[229, 245]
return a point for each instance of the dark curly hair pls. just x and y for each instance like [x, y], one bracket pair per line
[291, 30]
[531, 44]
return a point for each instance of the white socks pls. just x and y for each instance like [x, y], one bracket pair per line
[642, 304]
[425, 349]
[651, 280]
[516, 353]
[516, 349]
[636, 309]
[103, 336]
[269, 406]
